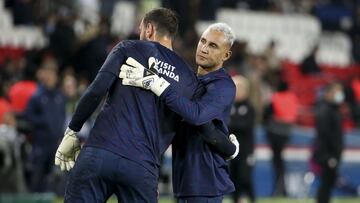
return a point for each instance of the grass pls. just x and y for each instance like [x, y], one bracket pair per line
[260, 200]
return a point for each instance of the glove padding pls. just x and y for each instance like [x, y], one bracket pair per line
[68, 151]
[233, 139]
[136, 75]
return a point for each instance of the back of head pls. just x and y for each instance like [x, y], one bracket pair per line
[242, 87]
[226, 30]
[165, 21]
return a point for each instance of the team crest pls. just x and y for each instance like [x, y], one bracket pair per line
[147, 83]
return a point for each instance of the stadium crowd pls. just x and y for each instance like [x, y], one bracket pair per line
[40, 87]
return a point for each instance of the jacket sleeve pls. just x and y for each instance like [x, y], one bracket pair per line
[219, 94]
[217, 139]
[97, 90]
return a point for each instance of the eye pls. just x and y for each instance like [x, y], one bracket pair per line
[213, 45]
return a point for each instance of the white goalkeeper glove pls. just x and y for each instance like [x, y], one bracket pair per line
[136, 75]
[68, 150]
[233, 139]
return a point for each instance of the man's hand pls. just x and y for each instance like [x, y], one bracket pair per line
[136, 75]
[67, 151]
[233, 139]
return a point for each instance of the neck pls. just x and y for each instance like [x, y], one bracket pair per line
[204, 71]
[165, 41]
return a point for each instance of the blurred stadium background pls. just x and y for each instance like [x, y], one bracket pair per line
[274, 38]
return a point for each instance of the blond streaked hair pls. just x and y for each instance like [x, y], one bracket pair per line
[226, 29]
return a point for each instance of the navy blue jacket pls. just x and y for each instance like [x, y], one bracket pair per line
[46, 113]
[197, 169]
[134, 123]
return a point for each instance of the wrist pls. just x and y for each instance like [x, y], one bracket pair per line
[159, 86]
[70, 132]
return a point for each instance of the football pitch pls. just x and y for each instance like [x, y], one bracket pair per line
[260, 200]
[279, 200]
[282, 200]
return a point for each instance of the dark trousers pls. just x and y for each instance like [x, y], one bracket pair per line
[277, 144]
[217, 199]
[241, 175]
[98, 174]
[327, 182]
[42, 167]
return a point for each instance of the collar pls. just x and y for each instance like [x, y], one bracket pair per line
[211, 74]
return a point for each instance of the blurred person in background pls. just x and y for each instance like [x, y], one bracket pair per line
[309, 65]
[70, 88]
[187, 9]
[11, 168]
[46, 113]
[19, 94]
[91, 55]
[21, 91]
[5, 105]
[62, 39]
[242, 122]
[23, 13]
[273, 72]
[239, 61]
[279, 118]
[329, 139]
[260, 91]
[11, 165]
[353, 97]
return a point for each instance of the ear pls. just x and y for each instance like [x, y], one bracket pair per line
[149, 31]
[227, 55]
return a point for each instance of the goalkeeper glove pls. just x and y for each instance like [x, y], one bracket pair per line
[136, 75]
[68, 150]
[233, 139]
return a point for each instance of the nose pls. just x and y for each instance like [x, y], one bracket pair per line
[204, 48]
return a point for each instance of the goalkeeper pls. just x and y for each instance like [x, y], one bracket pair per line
[134, 127]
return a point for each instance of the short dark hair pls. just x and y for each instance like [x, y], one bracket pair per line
[165, 21]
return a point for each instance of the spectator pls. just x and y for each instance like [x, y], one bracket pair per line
[69, 87]
[93, 53]
[5, 107]
[309, 65]
[242, 121]
[46, 113]
[279, 117]
[238, 63]
[272, 75]
[353, 97]
[22, 12]
[62, 40]
[329, 139]
[21, 91]
[11, 166]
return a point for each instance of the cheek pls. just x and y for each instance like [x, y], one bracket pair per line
[216, 57]
[198, 48]
[141, 35]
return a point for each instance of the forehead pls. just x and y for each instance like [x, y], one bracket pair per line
[214, 36]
